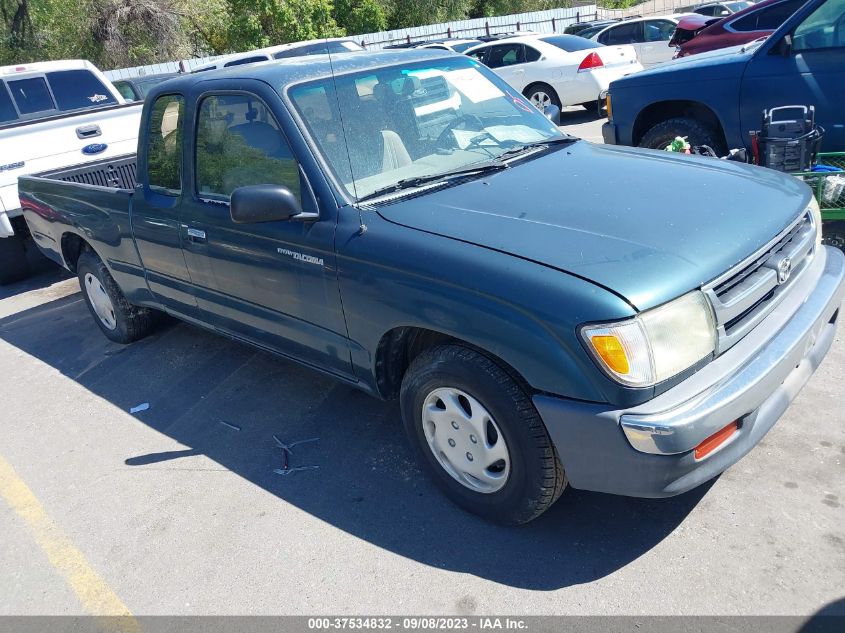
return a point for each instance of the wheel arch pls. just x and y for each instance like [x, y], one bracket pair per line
[670, 109]
[399, 346]
[73, 245]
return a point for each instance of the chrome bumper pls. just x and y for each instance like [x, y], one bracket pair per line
[768, 366]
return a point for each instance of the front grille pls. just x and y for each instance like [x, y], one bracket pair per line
[743, 296]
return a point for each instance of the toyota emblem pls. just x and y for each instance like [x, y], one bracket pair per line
[784, 270]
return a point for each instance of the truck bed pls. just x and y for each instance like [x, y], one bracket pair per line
[113, 173]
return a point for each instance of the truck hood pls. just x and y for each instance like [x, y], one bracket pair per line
[647, 225]
[720, 63]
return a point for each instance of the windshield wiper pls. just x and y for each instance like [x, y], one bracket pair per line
[443, 176]
[521, 149]
[495, 164]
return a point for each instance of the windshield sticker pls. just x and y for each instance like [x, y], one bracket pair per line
[475, 86]
[97, 98]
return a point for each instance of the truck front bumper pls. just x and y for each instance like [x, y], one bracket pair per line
[648, 451]
[608, 132]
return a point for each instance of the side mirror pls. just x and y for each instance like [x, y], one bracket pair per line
[263, 203]
[552, 113]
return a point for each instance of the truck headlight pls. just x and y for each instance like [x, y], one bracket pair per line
[817, 219]
[656, 344]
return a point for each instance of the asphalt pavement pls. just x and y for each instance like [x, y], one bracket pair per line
[176, 509]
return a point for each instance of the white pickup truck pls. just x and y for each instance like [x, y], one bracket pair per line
[55, 117]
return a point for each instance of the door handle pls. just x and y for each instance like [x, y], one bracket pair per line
[88, 131]
[196, 235]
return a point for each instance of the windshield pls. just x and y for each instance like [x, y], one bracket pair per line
[415, 120]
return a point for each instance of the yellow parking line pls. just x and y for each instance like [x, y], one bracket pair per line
[93, 592]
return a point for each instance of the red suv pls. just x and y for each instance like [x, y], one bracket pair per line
[759, 20]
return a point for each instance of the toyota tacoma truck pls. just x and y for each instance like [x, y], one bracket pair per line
[410, 224]
[54, 115]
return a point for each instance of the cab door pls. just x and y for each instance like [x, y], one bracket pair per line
[273, 283]
[155, 207]
[809, 71]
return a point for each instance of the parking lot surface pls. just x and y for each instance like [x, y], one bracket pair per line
[176, 509]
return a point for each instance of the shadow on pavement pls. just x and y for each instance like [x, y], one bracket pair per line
[200, 385]
[47, 275]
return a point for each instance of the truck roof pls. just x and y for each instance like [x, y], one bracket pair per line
[45, 67]
[290, 70]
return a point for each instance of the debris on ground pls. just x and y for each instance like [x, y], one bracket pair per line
[230, 425]
[140, 407]
[287, 451]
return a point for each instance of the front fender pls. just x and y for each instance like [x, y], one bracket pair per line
[521, 312]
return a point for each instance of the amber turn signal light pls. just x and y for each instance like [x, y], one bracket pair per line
[716, 440]
[610, 350]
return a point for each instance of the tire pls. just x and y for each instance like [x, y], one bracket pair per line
[118, 319]
[662, 134]
[510, 491]
[534, 91]
[14, 264]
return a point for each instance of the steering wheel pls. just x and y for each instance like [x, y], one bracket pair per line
[446, 140]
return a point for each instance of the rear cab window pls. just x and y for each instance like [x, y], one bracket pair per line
[7, 108]
[31, 95]
[77, 89]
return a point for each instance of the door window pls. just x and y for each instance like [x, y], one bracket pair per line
[658, 30]
[532, 54]
[479, 54]
[823, 28]
[32, 95]
[164, 145]
[506, 55]
[239, 143]
[631, 33]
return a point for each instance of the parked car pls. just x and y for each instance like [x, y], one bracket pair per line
[457, 45]
[576, 28]
[716, 98]
[53, 115]
[136, 88]
[689, 26]
[649, 37]
[721, 9]
[410, 225]
[758, 20]
[296, 49]
[560, 70]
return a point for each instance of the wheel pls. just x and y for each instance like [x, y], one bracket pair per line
[542, 95]
[662, 134]
[14, 265]
[479, 435]
[119, 320]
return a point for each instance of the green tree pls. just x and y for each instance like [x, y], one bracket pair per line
[258, 23]
[361, 16]
[407, 13]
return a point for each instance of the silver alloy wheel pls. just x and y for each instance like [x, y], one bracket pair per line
[100, 301]
[465, 440]
[540, 99]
